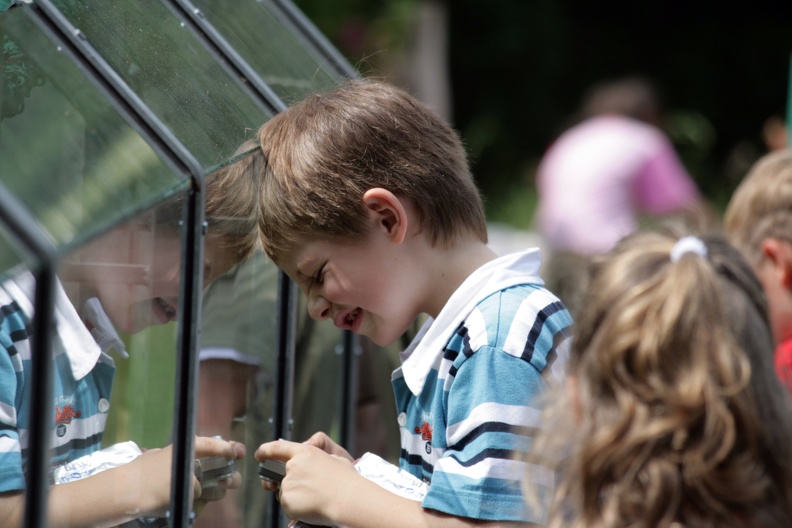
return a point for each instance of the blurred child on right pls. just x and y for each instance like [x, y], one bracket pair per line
[677, 419]
[758, 221]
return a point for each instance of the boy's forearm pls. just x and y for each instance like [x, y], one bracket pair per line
[365, 504]
[102, 500]
[87, 502]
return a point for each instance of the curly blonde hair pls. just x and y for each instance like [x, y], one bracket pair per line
[673, 413]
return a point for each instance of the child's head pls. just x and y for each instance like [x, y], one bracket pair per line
[758, 221]
[325, 152]
[678, 412]
[135, 268]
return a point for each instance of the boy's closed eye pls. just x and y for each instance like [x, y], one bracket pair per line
[318, 276]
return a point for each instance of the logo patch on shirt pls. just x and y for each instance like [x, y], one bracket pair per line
[64, 413]
[425, 429]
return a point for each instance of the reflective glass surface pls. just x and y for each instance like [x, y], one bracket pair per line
[65, 152]
[12, 255]
[172, 71]
[238, 372]
[266, 40]
[102, 192]
[126, 285]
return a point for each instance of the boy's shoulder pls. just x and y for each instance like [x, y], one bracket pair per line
[526, 321]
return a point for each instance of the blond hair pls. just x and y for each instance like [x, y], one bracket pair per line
[761, 206]
[678, 416]
[230, 206]
[325, 152]
[232, 202]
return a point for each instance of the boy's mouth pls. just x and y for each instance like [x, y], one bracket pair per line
[347, 321]
[169, 310]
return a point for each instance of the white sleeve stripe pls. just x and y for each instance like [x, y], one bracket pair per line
[509, 414]
[8, 414]
[498, 468]
[9, 445]
[524, 320]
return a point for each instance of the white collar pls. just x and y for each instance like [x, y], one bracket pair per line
[503, 272]
[103, 331]
[82, 350]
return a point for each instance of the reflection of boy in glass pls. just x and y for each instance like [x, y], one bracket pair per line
[126, 279]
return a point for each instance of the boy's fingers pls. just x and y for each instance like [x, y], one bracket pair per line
[213, 493]
[239, 449]
[279, 450]
[205, 446]
[269, 485]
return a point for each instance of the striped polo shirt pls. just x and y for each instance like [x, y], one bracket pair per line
[82, 380]
[468, 388]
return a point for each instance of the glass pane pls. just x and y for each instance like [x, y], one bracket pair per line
[171, 70]
[237, 376]
[64, 151]
[13, 256]
[115, 306]
[126, 285]
[238, 349]
[258, 31]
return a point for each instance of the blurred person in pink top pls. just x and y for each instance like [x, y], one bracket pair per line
[603, 175]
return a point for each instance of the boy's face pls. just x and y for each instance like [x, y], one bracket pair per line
[364, 286]
[136, 273]
[775, 274]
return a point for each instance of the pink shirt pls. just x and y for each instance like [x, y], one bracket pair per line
[600, 175]
[783, 363]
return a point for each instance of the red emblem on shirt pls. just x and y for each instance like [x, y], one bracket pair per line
[64, 415]
[426, 431]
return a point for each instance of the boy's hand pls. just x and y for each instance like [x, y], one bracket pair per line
[150, 474]
[213, 447]
[313, 478]
[326, 444]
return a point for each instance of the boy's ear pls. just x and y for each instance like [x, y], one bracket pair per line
[778, 253]
[388, 212]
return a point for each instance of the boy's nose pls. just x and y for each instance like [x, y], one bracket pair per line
[318, 307]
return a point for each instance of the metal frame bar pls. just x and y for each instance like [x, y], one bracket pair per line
[316, 38]
[349, 387]
[96, 69]
[186, 390]
[284, 373]
[223, 51]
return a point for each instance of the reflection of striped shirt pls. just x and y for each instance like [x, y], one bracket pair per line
[478, 404]
[80, 403]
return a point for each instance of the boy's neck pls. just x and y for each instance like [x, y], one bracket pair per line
[447, 268]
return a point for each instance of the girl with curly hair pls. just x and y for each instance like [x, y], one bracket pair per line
[672, 415]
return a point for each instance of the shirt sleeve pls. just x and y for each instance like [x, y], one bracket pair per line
[664, 185]
[11, 473]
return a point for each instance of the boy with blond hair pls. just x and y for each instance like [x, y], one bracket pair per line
[368, 204]
[758, 220]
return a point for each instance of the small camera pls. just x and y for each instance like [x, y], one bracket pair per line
[211, 470]
[272, 470]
